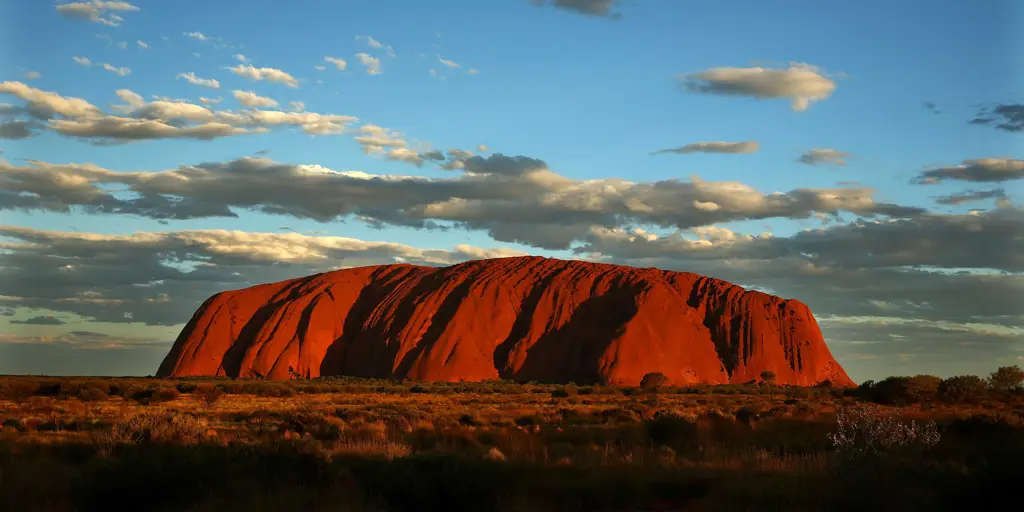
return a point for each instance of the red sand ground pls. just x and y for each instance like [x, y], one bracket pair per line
[525, 318]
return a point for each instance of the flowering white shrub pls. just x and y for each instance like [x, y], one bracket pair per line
[864, 431]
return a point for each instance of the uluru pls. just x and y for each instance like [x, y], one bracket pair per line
[521, 318]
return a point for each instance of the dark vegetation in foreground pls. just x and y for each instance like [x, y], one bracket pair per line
[903, 443]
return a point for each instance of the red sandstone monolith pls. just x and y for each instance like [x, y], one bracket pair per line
[524, 318]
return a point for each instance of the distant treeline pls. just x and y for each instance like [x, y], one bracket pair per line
[1005, 382]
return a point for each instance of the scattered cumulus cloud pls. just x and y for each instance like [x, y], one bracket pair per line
[155, 293]
[448, 63]
[251, 99]
[371, 63]
[977, 170]
[191, 78]
[137, 119]
[96, 11]
[39, 320]
[748, 146]
[1007, 117]
[16, 130]
[122, 71]
[802, 84]
[514, 199]
[970, 196]
[824, 156]
[142, 44]
[378, 45]
[596, 8]
[82, 61]
[268, 74]
[339, 64]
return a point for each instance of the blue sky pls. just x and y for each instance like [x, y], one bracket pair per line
[592, 96]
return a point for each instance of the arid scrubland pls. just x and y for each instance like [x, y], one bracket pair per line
[348, 444]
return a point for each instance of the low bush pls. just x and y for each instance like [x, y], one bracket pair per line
[165, 395]
[92, 395]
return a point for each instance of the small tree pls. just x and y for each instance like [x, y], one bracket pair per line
[653, 380]
[207, 394]
[1006, 379]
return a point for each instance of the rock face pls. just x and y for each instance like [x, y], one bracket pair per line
[525, 318]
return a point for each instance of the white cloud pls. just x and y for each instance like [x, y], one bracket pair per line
[319, 68]
[372, 64]
[82, 61]
[96, 11]
[210, 101]
[164, 118]
[824, 156]
[251, 99]
[123, 45]
[142, 44]
[33, 75]
[116, 70]
[191, 78]
[240, 58]
[340, 64]
[378, 45]
[748, 146]
[802, 84]
[196, 35]
[969, 196]
[514, 199]
[977, 170]
[597, 8]
[159, 294]
[472, 71]
[296, 106]
[44, 103]
[448, 63]
[268, 74]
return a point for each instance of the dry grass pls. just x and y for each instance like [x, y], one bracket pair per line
[494, 446]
